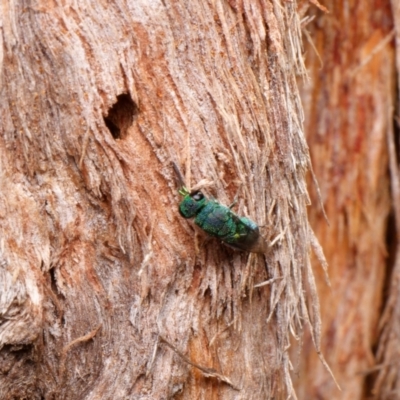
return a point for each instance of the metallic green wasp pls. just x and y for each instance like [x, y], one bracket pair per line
[220, 221]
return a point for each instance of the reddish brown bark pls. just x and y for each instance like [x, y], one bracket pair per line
[106, 292]
[387, 384]
[348, 113]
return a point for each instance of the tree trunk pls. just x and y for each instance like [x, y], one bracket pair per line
[106, 292]
[386, 384]
[348, 106]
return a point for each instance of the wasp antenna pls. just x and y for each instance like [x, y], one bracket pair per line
[183, 191]
[181, 181]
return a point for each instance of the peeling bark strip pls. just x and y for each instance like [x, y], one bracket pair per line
[207, 372]
[97, 100]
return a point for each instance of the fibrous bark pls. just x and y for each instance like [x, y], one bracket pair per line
[348, 104]
[106, 293]
[387, 383]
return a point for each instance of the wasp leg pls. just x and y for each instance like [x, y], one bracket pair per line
[236, 197]
[233, 204]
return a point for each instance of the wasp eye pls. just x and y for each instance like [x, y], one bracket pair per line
[197, 196]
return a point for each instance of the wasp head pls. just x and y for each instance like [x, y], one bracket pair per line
[192, 203]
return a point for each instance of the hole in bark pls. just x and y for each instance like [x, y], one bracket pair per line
[53, 280]
[120, 116]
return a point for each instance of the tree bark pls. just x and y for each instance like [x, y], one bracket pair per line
[348, 105]
[386, 383]
[106, 292]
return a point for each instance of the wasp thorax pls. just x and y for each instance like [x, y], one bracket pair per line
[192, 204]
